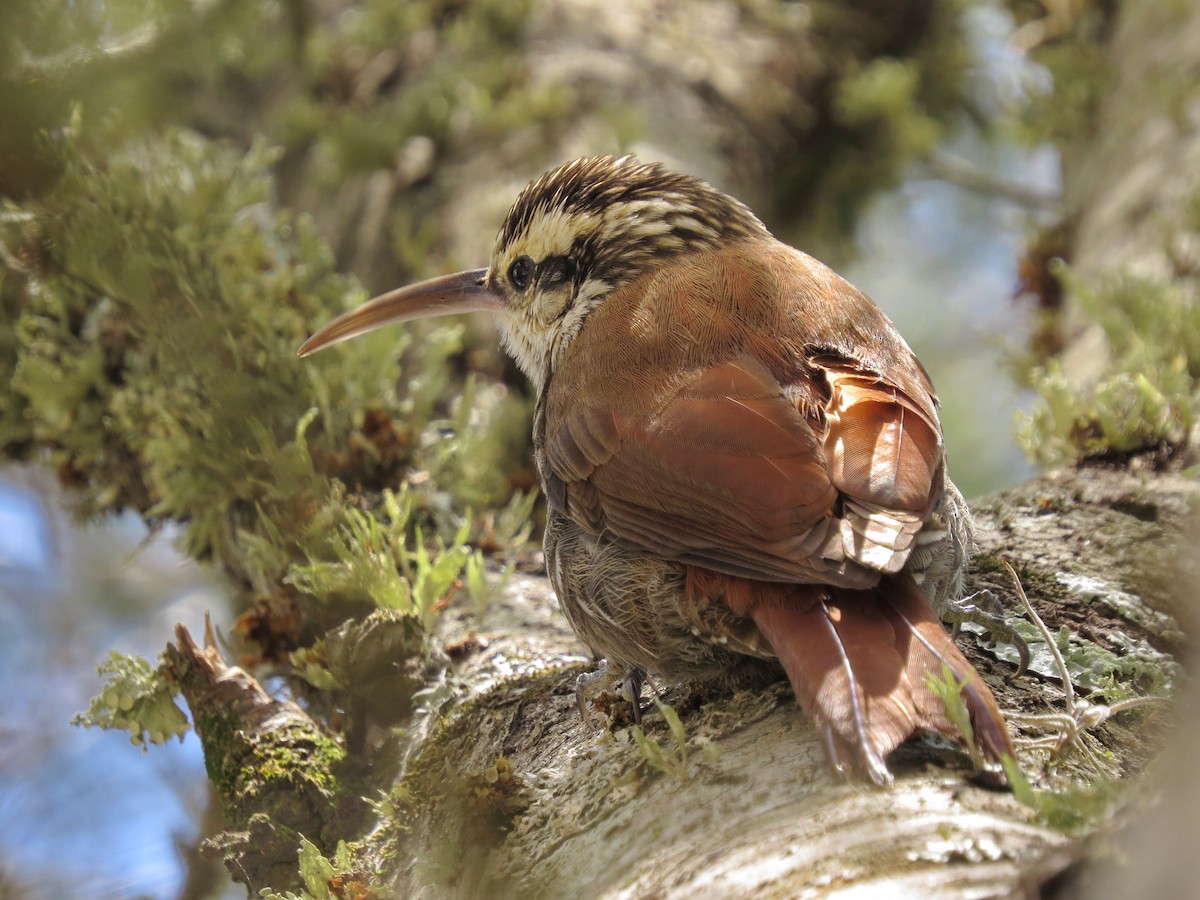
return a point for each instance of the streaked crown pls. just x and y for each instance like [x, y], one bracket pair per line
[583, 229]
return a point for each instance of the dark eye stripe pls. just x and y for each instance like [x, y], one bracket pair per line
[555, 270]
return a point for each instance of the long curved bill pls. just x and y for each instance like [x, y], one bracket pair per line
[443, 296]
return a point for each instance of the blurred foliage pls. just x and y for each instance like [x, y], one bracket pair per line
[1071, 41]
[160, 306]
[1148, 399]
[855, 94]
[1145, 401]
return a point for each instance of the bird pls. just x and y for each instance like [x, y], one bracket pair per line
[741, 456]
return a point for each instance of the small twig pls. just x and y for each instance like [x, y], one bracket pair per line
[1051, 643]
[980, 181]
[1081, 715]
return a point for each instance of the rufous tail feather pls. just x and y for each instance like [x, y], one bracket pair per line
[859, 663]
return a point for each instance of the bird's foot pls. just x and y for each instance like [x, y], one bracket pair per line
[590, 685]
[983, 608]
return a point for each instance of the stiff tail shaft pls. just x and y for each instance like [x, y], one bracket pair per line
[859, 663]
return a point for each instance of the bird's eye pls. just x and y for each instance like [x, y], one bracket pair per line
[520, 272]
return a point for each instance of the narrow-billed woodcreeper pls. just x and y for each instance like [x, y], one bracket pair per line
[741, 455]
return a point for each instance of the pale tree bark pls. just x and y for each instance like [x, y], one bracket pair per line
[510, 794]
[759, 815]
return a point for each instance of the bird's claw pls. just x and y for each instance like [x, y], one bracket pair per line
[590, 684]
[983, 608]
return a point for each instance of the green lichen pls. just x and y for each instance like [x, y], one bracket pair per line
[1074, 810]
[335, 878]
[137, 698]
[1127, 667]
[948, 688]
[1132, 668]
[218, 731]
[160, 379]
[154, 377]
[671, 756]
[297, 763]
[282, 756]
[369, 549]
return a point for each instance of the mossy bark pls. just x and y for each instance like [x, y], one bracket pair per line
[277, 772]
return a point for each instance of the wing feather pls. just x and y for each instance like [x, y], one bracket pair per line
[771, 457]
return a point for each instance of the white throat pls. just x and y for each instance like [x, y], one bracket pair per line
[538, 348]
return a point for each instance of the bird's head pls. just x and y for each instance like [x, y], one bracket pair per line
[572, 237]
